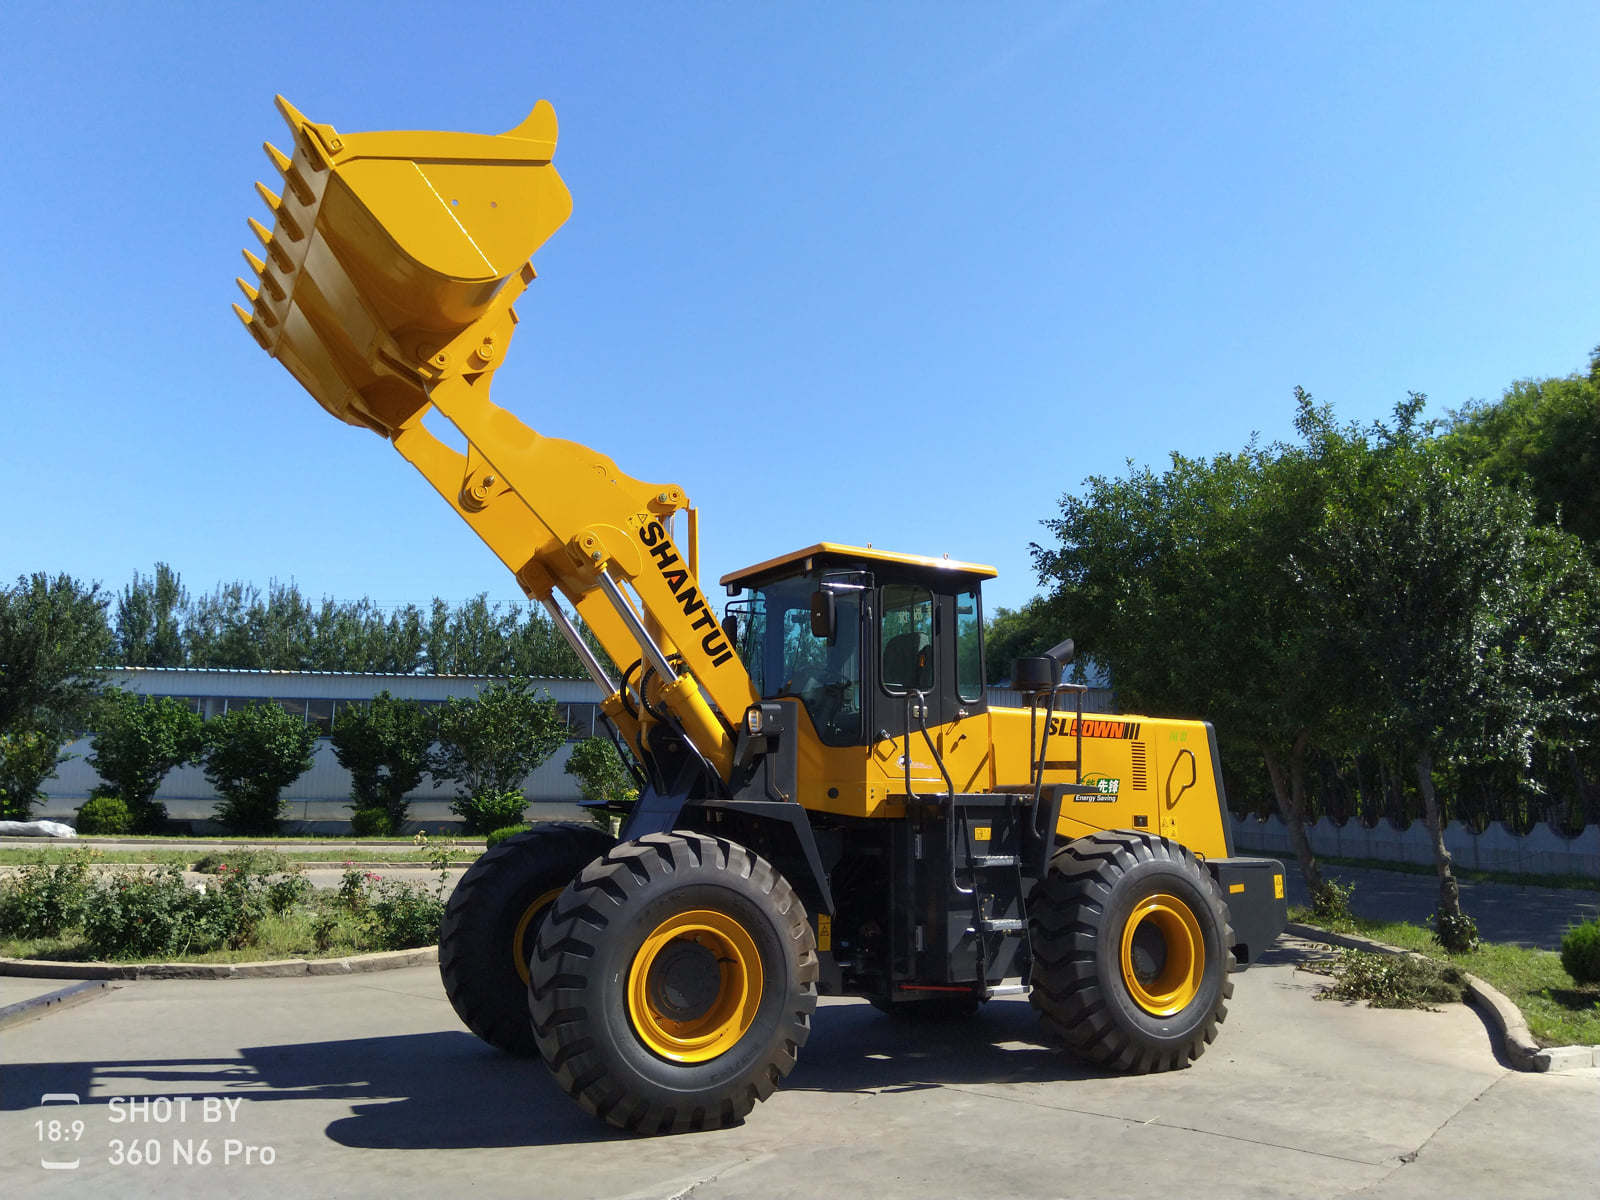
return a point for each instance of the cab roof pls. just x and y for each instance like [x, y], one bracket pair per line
[857, 553]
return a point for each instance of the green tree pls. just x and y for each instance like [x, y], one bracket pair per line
[53, 640]
[359, 637]
[1463, 616]
[601, 775]
[1541, 438]
[149, 619]
[471, 639]
[27, 758]
[488, 745]
[537, 648]
[251, 755]
[137, 740]
[385, 747]
[1184, 585]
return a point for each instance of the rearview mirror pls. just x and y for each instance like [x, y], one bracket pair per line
[824, 616]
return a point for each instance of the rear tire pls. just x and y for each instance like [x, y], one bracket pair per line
[1131, 952]
[673, 984]
[493, 919]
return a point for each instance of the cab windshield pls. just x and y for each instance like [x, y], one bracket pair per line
[785, 658]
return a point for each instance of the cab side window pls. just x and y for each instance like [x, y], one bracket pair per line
[905, 638]
[969, 646]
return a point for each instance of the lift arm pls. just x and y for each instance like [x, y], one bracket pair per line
[387, 287]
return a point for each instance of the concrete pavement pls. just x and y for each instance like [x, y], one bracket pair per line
[367, 1086]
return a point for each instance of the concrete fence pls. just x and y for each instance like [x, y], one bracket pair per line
[1542, 851]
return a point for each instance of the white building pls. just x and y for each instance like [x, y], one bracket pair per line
[319, 801]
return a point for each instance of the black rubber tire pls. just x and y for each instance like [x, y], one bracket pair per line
[1078, 914]
[477, 961]
[581, 970]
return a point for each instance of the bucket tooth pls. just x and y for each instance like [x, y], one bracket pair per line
[250, 293]
[250, 326]
[286, 220]
[295, 118]
[291, 174]
[277, 253]
[256, 264]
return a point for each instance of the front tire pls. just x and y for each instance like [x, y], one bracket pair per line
[493, 919]
[1131, 952]
[673, 984]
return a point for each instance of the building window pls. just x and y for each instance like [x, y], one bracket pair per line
[320, 714]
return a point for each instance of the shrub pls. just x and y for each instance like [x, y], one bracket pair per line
[402, 915]
[353, 889]
[323, 929]
[602, 777]
[490, 810]
[137, 740]
[371, 822]
[1580, 952]
[505, 831]
[140, 915]
[384, 745]
[490, 744]
[156, 915]
[1456, 932]
[251, 755]
[45, 898]
[104, 814]
[1330, 904]
[283, 894]
[27, 758]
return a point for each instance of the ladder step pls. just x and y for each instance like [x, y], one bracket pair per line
[994, 860]
[1008, 989]
[1001, 924]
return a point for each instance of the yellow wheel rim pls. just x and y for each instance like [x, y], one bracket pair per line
[1163, 955]
[520, 950]
[695, 986]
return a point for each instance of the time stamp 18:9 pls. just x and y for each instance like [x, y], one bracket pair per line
[150, 1140]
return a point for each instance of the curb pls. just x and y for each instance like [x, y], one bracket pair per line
[1516, 1042]
[282, 968]
[39, 1006]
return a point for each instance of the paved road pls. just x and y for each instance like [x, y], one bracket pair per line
[368, 1086]
[1529, 916]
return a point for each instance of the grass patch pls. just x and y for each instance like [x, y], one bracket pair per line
[1559, 1010]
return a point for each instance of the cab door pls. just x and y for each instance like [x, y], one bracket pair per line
[963, 738]
[907, 661]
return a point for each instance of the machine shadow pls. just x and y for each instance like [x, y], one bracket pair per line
[448, 1090]
[855, 1048]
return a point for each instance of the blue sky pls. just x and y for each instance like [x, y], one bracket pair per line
[898, 273]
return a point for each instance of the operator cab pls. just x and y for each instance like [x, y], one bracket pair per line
[862, 637]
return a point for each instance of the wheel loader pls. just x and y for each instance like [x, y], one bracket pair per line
[829, 802]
